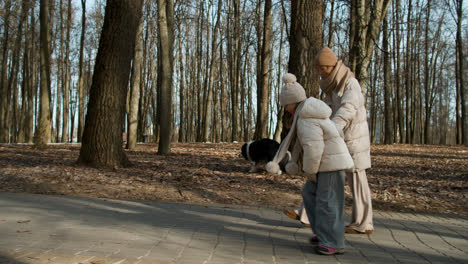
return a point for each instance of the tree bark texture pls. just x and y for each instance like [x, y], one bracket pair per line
[164, 28]
[43, 132]
[102, 137]
[305, 41]
[261, 126]
[366, 19]
[132, 117]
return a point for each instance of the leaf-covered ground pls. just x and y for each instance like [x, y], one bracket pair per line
[415, 178]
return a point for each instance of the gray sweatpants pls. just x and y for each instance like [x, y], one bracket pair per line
[324, 203]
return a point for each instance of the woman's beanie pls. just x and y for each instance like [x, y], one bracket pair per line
[292, 92]
[325, 57]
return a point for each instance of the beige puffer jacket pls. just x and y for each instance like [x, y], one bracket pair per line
[323, 148]
[349, 113]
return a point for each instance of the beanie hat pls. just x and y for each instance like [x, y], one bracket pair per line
[325, 57]
[292, 92]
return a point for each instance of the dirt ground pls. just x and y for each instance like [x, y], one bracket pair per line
[406, 178]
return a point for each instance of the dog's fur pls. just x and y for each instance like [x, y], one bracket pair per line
[259, 152]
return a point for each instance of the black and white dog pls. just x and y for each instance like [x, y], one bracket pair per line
[260, 152]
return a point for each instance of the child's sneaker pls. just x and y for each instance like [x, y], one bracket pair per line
[328, 251]
[314, 240]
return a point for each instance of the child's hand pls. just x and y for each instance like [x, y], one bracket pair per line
[311, 177]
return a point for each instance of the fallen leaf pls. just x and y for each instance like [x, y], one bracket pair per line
[55, 235]
[97, 262]
[23, 221]
[23, 230]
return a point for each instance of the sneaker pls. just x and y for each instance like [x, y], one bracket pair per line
[328, 251]
[350, 230]
[314, 240]
[291, 214]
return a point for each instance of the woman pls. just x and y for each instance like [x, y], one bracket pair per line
[344, 96]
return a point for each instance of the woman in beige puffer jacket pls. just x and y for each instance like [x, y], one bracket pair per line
[344, 96]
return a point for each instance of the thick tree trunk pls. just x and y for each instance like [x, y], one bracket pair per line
[305, 41]
[102, 137]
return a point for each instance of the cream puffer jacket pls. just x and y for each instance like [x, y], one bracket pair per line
[323, 148]
[349, 114]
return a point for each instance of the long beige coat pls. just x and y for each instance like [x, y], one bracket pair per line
[349, 114]
[323, 148]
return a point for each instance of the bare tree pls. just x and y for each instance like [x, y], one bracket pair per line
[263, 83]
[4, 102]
[43, 132]
[81, 89]
[135, 87]
[305, 41]
[66, 75]
[165, 27]
[102, 136]
[211, 76]
[387, 86]
[366, 19]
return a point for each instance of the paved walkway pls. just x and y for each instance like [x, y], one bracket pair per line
[60, 229]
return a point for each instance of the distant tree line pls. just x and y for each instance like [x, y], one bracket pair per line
[211, 70]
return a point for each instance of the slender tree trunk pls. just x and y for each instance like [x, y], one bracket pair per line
[81, 89]
[43, 133]
[136, 84]
[102, 137]
[261, 130]
[462, 120]
[66, 76]
[164, 28]
[209, 98]
[4, 102]
[366, 19]
[387, 86]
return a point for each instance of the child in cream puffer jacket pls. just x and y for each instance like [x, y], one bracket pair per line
[325, 159]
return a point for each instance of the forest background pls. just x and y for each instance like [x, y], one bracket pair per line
[414, 86]
[178, 73]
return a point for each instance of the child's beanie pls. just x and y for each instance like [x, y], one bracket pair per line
[292, 91]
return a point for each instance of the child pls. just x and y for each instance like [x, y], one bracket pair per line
[325, 158]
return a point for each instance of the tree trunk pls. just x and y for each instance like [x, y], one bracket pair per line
[164, 27]
[66, 77]
[261, 130]
[235, 72]
[102, 136]
[43, 133]
[305, 41]
[132, 118]
[4, 102]
[462, 129]
[387, 86]
[81, 92]
[211, 76]
[366, 19]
